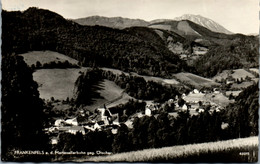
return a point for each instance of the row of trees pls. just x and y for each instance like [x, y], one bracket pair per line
[135, 86]
[139, 88]
[53, 64]
[86, 87]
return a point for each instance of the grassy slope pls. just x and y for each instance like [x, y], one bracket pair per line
[147, 78]
[46, 57]
[217, 98]
[238, 73]
[111, 93]
[195, 80]
[222, 151]
[57, 83]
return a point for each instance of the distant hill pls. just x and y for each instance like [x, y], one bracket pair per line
[205, 22]
[114, 22]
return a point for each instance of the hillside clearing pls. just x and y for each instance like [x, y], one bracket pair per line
[57, 83]
[256, 70]
[221, 151]
[60, 83]
[147, 78]
[195, 80]
[236, 74]
[110, 93]
[217, 98]
[43, 57]
[234, 93]
[242, 85]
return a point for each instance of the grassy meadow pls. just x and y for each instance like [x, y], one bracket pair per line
[57, 83]
[46, 57]
[236, 150]
[195, 80]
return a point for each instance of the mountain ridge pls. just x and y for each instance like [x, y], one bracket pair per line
[121, 22]
[205, 22]
[113, 22]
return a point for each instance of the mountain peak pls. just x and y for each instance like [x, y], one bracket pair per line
[205, 22]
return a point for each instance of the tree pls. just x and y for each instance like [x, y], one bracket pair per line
[121, 142]
[23, 119]
[181, 102]
[230, 97]
[38, 65]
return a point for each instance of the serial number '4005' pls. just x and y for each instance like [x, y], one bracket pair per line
[244, 153]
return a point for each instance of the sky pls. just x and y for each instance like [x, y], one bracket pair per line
[238, 16]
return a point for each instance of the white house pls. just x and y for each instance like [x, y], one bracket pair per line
[72, 121]
[184, 107]
[59, 122]
[196, 91]
[104, 116]
[201, 110]
[96, 126]
[54, 141]
[76, 129]
[114, 131]
[148, 112]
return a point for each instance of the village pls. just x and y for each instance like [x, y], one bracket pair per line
[107, 118]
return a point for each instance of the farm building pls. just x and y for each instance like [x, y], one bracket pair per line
[72, 121]
[148, 112]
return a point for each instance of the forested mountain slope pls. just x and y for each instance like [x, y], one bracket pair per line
[38, 29]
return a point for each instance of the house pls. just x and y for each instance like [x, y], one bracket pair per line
[59, 122]
[89, 127]
[195, 91]
[109, 116]
[97, 126]
[105, 114]
[184, 107]
[114, 131]
[224, 125]
[76, 129]
[201, 110]
[148, 112]
[72, 121]
[216, 90]
[150, 107]
[170, 101]
[54, 140]
[115, 119]
[129, 124]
